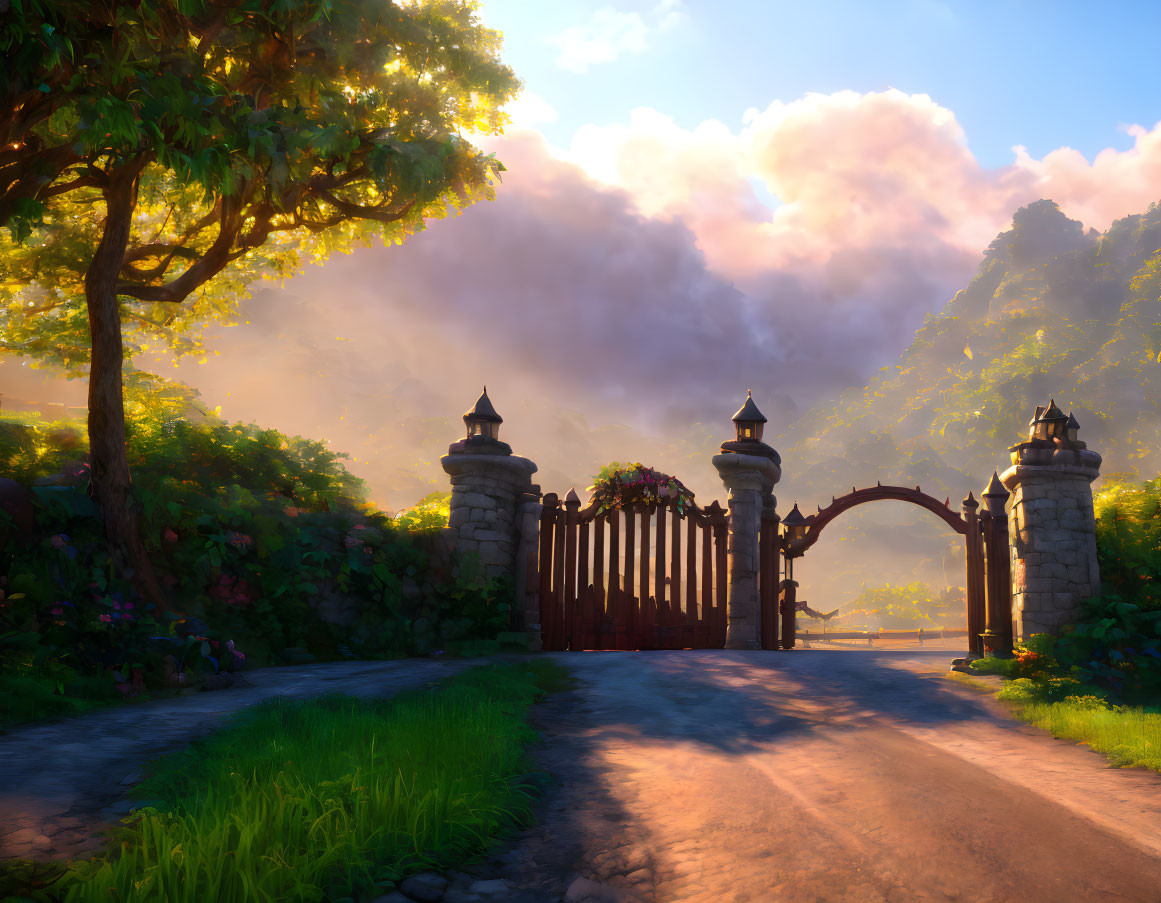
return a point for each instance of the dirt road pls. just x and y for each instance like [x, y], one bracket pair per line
[815, 776]
[847, 776]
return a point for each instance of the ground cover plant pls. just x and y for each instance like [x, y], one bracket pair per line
[265, 544]
[332, 799]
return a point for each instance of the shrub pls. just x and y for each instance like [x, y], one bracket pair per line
[260, 539]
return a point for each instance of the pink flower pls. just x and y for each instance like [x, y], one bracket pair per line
[106, 618]
[170, 535]
[128, 605]
[57, 610]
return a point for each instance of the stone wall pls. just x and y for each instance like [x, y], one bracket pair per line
[1052, 529]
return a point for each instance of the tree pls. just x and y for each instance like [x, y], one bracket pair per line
[155, 150]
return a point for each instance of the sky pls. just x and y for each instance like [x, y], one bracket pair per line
[701, 199]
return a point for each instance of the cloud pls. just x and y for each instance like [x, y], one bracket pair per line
[610, 34]
[529, 110]
[1113, 184]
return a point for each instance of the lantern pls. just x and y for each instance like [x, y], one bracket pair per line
[1034, 423]
[482, 420]
[1073, 427]
[796, 525]
[1053, 423]
[749, 421]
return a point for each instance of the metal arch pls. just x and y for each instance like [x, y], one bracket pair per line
[916, 496]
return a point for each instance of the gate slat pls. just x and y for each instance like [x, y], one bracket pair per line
[558, 605]
[547, 521]
[571, 606]
[720, 575]
[680, 615]
[691, 567]
[663, 613]
[598, 599]
[630, 613]
[614, 551]
[766, 620]
[647, 605]
[707, 580]
[584, 600]
[630, 544]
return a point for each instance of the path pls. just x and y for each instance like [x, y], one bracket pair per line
[62, 781]
[852, 776]
[855, 776]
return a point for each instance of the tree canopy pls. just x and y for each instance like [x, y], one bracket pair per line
[161, 149]
[267, 134]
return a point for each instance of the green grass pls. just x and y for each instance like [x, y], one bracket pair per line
[1128, 736]
[328, 799]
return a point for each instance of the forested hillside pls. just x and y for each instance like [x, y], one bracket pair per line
[1054, 311]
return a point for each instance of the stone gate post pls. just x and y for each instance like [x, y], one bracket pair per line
[495, 506]
[1051, 523]
[749, 469]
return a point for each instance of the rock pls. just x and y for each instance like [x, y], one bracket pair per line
[582, 890]
[222, 681]
[459, 880]
[459, 895]
[425, 887]
[492, 886]
[393, 897]
[134, 777]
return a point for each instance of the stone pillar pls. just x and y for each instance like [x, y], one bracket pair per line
[1052, 528]
[495, 507]
[749, 469]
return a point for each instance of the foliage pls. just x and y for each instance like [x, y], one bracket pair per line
[617, 485]
[430, 513]
[266, 135]
[263, 540]
[1128, 525]
[334, 798]
[901, 607]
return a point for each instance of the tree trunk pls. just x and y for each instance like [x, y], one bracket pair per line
[110, 466]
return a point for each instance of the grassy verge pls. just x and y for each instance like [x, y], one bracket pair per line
[1128, 736]
[328, 799]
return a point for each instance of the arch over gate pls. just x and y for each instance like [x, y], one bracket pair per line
[966, 523]
[878, 493]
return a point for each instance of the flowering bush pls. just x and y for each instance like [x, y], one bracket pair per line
[618, 485]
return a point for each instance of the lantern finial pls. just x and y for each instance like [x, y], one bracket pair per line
[482, 419]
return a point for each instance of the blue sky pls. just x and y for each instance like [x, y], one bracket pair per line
[1038, 74]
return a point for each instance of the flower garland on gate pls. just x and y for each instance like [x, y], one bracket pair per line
[618, 485]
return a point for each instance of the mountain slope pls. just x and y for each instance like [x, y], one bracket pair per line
[1054, 312]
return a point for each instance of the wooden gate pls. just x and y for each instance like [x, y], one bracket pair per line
[625, 580]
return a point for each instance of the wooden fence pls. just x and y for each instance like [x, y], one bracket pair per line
[626, 580]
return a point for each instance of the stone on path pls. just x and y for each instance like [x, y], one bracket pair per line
[426, 887]
[582, 890]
